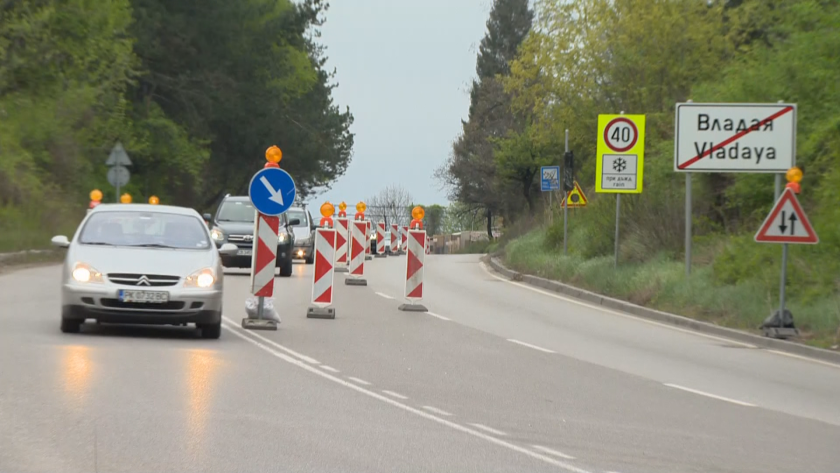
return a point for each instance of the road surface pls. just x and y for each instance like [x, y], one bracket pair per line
[497, 377]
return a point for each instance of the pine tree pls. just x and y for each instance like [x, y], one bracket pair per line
[470, 172]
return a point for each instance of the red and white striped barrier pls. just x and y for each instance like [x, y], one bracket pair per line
[358, 238]
[380, 239]
[264, 258]
[415, 260]
[404, 238]
[395, 238]
[323, 275]
[342, 228]
[367, 239]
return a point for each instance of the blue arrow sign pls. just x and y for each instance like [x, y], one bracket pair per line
[550, 178]
[272, 191]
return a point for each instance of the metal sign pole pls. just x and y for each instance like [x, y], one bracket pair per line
[687, 224]
[566, 209]
[782, 285]
[617, 216]
[687, 220]
[117, 167]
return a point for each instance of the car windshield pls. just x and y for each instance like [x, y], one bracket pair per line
[298, 214]
[241, 211]
[145, 229]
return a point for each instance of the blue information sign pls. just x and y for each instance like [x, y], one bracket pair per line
[272, 191]
[550, 178]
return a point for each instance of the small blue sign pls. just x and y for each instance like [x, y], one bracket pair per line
[550, 178]
[272, 191]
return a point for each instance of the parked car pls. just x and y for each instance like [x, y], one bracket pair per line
[304, 234]
[139, 263]
[234, 223]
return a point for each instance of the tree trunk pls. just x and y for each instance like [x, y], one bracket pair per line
[526, 192]
[490, 224]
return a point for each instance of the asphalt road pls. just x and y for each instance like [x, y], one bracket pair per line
[497, 377]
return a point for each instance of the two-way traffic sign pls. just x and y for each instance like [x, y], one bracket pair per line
[787, 223]
[272, 191]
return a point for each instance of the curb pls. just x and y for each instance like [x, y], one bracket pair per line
[664, 317]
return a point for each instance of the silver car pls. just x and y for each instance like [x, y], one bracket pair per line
[304, 234]
[142, 264]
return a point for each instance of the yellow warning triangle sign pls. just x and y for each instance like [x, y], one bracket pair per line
[575, 197]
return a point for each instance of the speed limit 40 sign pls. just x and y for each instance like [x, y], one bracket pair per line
[621, 154]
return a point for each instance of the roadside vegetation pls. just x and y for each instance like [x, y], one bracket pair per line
[583, 58]
[190, 88]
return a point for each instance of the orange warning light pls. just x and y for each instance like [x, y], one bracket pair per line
[327, 209]
[418, 213]
[125, 198]
[96, 195]
[154, 200]
[273, 154]
[361, 207]
[794, 174]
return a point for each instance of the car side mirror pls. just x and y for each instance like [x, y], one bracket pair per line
[294, 221]
[60, 241]
[228, 249]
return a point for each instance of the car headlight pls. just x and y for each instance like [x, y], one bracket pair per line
[217, 235]
[203, 278]
[86, 274]
[283, 237]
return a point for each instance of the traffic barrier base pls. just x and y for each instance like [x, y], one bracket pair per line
[259, 324]
[320, 313]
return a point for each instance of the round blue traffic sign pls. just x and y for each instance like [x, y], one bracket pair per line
[272, 191]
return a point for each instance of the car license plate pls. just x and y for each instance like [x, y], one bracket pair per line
[243, 253]
[147, 297]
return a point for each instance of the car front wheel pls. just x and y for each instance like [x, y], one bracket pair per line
[211, 331]
[70, 325]
[286, 268]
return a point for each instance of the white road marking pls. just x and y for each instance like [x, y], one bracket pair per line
[489, 429]
[799, 357]
[610, 311]
[357, 380]
[264, 344]
[386, 296]
[544, 350]
[329, 368]
[437, 411]
[553, 452]
[438, 316]
[396, 395]
[713, 396]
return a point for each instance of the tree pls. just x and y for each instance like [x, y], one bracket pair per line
[393, 204]
[434, 218]
[470, 172]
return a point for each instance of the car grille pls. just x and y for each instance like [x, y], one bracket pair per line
[241, 238]
[117, 304]
[153, 280]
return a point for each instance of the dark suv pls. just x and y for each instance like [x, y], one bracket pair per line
[234, 223]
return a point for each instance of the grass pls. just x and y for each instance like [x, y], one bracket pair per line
[33, 228]
[660, 283]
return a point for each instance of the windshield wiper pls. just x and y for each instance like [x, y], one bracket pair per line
[153, 245]
[96, 243]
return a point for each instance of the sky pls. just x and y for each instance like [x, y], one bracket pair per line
[404, 68]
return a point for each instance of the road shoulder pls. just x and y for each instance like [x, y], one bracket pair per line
[784, 346]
